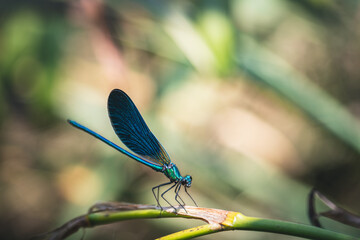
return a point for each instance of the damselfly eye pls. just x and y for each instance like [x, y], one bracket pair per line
[188, 180]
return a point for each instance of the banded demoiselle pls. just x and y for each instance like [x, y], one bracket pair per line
[132, 130]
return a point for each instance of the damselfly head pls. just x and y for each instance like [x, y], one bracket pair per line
[186, 181]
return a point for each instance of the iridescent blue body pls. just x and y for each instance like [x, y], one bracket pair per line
[132, 130]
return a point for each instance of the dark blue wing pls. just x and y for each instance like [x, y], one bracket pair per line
[132, 129]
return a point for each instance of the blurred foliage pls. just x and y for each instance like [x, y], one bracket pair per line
[196, 70]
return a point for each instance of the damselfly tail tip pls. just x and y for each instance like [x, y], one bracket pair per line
[72, 122]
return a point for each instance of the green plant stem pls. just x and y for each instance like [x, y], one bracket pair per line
[192, 232]
[287, 228]
[241, 222]
[233, 221]
[101, 218]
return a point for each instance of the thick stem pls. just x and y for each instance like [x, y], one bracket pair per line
[241, 222]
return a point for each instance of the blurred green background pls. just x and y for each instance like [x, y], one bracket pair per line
[257, 100]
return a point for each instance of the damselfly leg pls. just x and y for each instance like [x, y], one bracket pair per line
[157, 195]
[162, 196]
[190, 196]
[177, 196]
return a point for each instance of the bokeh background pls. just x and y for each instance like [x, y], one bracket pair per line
[257, 100]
